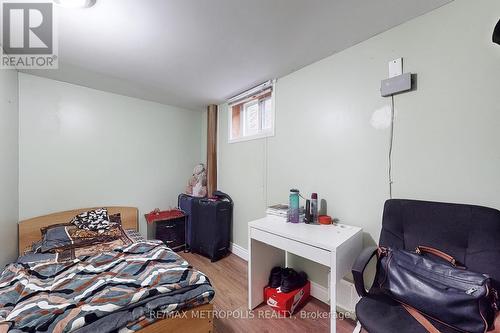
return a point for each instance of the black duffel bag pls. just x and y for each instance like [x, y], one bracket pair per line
[441, 289]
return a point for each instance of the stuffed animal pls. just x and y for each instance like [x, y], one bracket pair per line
[197, 184]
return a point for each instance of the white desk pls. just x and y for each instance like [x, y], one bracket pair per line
[270, 238]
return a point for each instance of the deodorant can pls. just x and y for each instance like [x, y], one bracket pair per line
[307, 216]
[314, 207]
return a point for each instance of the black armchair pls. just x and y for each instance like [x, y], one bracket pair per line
[469, 233]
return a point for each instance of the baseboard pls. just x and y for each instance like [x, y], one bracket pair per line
[346, 293]
[319, 292]
[239, 251]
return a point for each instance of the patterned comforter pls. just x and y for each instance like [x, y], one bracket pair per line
[111, 291]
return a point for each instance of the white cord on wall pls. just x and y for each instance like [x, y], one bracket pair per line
[266, 172]
[391, 141]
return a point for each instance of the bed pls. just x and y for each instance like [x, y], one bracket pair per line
[108, 290]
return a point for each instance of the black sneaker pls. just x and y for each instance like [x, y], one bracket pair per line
[291, 280]
[275, 277]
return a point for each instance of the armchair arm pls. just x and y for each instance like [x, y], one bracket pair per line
[359, 267]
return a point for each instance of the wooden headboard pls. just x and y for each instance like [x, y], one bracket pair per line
[29, 230]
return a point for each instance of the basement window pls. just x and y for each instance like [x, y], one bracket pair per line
[251, 114]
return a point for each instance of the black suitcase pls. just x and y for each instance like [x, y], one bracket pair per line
[208, 224]
[186, 204]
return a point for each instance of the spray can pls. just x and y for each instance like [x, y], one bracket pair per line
[307, 216]
[314, 207]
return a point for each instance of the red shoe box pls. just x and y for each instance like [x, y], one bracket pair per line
[286, 303]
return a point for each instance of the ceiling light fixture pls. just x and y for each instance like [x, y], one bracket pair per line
[75, 3]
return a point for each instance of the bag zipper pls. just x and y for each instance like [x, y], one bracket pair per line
[471, 291]
[480, 284]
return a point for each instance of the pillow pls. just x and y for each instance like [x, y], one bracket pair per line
[59, 237]
[96, 219]
[53, 237]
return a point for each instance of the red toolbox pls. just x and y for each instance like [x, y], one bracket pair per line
[286, 303]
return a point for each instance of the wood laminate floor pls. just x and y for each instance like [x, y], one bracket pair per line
[229, 278]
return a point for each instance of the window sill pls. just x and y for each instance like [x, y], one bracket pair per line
[252, 137]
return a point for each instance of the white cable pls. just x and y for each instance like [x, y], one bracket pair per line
[266, 155]
[391, 140]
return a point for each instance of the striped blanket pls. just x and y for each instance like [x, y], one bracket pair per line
[112, 291]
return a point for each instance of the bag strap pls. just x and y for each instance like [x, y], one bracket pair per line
[421, 319]
[426, 249]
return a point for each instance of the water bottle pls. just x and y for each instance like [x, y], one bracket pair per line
[293, 206]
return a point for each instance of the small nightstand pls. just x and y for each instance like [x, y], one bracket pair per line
[170, 228]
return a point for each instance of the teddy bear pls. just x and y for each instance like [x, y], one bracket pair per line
[197, 184]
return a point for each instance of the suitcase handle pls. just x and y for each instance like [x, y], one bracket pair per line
[221, 195]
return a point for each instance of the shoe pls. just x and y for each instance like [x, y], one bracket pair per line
[291, 280]
[275, 277]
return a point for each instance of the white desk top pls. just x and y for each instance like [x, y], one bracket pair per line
[327, 237]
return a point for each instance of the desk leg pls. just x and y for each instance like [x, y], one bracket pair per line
[333, 292]
[261, 259]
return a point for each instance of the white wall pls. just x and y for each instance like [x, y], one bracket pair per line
[81, 147]
[8, 165]
[446, 132]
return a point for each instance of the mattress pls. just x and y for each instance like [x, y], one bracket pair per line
[122, 289]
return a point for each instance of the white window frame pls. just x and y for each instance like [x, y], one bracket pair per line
[263, 133]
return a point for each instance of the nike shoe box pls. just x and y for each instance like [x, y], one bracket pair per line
[286, 303]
